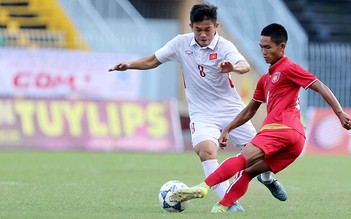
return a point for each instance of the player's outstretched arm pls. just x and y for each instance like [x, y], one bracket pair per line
[144, 63]
[245, 115]
[329, 97]
[241, 67]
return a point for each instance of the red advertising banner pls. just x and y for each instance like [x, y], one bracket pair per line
[325, 135]
[60, 124]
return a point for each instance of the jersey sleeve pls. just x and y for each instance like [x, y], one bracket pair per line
[259, 91]
[301, 76]
[168, 51]
[231, 53]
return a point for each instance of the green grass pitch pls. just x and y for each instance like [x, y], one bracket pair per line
[125, 185]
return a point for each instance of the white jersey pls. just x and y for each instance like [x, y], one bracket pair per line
[210, 95]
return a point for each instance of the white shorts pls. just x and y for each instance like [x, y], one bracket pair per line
[239, 137]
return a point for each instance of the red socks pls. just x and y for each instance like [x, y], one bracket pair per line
[226, 170]
[236, 189]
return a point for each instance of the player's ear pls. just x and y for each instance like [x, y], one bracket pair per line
[282, 46]
[191, 25]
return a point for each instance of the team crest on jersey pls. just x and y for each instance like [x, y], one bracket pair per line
[213, 56]
[276, 76]
[189, 52]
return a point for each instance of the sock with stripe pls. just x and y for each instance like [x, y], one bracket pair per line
[236, 189]
[209, 166]
[226, 170]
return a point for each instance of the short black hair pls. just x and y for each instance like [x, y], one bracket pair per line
[277, 32]
[202, 12]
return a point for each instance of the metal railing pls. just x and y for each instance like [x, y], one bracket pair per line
[33, 38]
[90, 24]
[330, 62]
[118, 9]
[111, 25]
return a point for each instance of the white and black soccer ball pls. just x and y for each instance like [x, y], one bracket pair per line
[164, 196]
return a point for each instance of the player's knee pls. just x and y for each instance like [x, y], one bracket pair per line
[206, 152]
[252, 154]
[207, 155]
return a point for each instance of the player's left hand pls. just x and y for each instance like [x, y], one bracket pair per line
[223, 139]
[225, 67]
[345, 120]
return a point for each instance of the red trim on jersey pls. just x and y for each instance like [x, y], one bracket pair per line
[184, 80]
[230, 81]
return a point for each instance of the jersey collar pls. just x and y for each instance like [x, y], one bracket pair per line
[211, 46]
[275, 65]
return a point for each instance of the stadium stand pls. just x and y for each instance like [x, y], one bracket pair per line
[36, 23]
[167, 9]
[324, 20]
[327, 24]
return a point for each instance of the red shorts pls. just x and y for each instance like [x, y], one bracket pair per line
[281, 147]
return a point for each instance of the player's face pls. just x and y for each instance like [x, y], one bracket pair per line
[270, 50]
[204, 31]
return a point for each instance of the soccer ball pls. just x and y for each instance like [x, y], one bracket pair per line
[164, 196]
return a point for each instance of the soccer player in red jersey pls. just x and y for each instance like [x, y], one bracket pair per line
[206, 60]
[281, 138]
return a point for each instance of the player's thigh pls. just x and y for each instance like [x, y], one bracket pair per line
[204, 131]
[290, 152]
[205, 139]
[281, 147]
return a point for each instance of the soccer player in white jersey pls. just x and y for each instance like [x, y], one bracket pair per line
[206, 60]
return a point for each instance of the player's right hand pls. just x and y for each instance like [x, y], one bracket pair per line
[120, 67]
